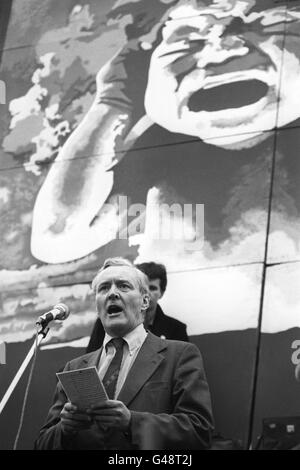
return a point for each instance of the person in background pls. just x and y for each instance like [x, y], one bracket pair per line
[156, 320]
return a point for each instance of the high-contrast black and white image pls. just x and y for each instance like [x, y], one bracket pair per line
[161, 131]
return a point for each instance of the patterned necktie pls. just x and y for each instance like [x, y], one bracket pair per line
[111, 377]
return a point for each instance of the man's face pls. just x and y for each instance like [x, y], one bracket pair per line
[217, 71]
[155, 293]
[120, 304]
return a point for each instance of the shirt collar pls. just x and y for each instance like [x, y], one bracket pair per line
[134, 338]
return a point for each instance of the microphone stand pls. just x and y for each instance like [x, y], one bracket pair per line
[41, 335]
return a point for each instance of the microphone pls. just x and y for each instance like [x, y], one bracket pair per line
[59, 312]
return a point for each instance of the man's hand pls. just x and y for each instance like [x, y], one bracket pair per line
[73, 420]
[111, 413]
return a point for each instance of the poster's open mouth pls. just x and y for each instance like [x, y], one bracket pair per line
[231, 95]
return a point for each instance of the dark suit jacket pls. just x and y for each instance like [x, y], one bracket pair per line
[168, 327]
[163, 325]
[167, 393]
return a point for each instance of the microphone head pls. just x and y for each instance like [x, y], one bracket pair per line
[64, 309]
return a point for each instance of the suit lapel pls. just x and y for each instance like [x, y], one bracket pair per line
[92, 359]
[146, 362]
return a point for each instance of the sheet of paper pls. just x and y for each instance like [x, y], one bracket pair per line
[83, 387]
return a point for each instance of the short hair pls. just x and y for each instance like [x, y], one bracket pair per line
[118, 261]
[155, 271]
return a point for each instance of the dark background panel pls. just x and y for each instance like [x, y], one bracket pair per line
[229, 363]
[278, 391]
[285, 215]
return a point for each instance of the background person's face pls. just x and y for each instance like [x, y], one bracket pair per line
[216, 71]
[155, 293]
[120, 304]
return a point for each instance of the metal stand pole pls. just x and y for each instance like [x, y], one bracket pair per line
[41, 335]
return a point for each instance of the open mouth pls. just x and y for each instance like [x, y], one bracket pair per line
[230, 95]
[113, 309]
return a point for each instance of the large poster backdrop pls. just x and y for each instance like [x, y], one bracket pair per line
[120, 113]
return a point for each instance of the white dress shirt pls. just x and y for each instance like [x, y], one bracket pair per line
[133, 343]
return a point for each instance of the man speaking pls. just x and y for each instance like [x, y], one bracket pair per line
[158, 394]
[155, 320]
